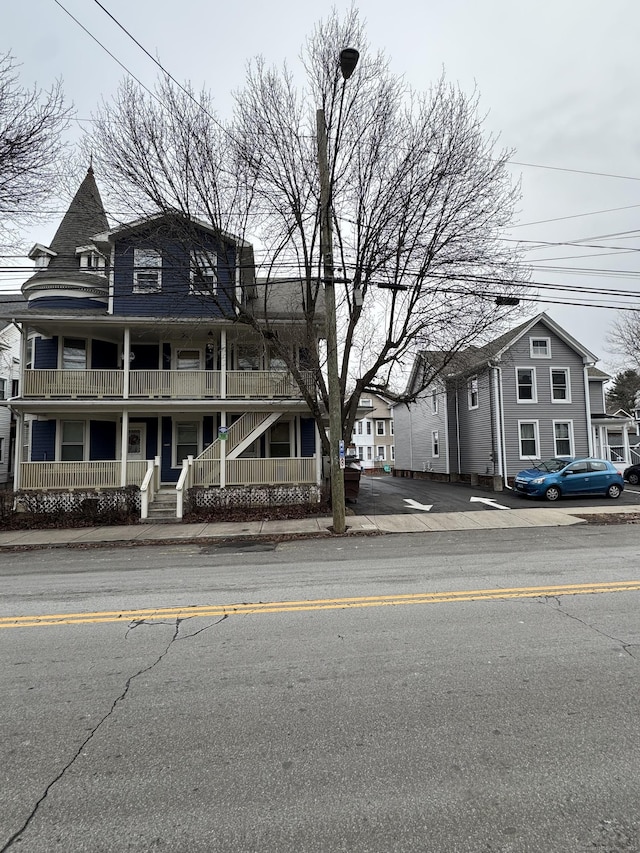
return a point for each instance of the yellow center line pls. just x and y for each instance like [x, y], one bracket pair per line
[247, 609]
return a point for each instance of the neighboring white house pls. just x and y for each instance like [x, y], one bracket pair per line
[9, 375]
[373, 434]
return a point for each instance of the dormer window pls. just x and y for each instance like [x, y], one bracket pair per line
[91, 260]
[41, 255]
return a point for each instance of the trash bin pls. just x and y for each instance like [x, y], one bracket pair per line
[352, 473]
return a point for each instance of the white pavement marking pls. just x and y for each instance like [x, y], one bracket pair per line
[415, 505]
[489, 502]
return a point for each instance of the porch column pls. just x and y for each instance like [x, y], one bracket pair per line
[124, 445]
[223, 364]
[17, 451]
[625, 442]
[126, 357]
[223, 453]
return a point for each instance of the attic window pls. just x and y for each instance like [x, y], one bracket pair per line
[204, 275]
[540, 347]
[147, 271]
[41, 261]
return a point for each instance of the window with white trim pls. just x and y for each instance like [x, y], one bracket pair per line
[147, 271]
[540, 347]
[381, 453]
[526, 385]
[563, 438]
[391, 427]
[74, 354]
[359, 427]
[360, 453]
[366, 401]
[472, 392]
[3, 389]
[435, 443]
[528, 437]
[186, 434]
[72, 441]
[434, 401]
[369, 453]
[393, 452]
[203, 279]
[560, 387]
[380, 428]
[368, 423]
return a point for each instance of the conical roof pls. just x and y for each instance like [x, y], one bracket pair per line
[84, 219]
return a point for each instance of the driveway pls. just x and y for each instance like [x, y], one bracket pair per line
[387, 495]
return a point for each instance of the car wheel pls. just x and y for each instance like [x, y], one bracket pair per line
[634, 478]
[614, 491]
[552, 493]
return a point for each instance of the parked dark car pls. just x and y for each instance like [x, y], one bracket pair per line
[632, 474]
[556, 477]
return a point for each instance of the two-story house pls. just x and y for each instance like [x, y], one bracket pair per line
[373, 433]
[136, 369]
[532, 393]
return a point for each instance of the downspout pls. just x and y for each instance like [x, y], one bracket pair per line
[501, 431]
[587, 407]
[458, 432]
[498, 424]
[445, 406]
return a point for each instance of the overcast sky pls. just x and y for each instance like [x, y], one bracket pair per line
[559, 80]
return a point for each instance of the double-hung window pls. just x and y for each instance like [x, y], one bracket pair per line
[472, 392]
[563, 438]
[3, 389]
[72, 441]
[380, 428]
[186, 438]
[434, 401]
[147, 271]
[560, 387]
[526, 384]
[204, 273]
[528, 436]
[74, 354]
[435, 443]
[540, 347]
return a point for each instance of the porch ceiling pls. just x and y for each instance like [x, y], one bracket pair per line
[149, 408]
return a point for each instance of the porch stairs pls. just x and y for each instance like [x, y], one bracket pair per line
[242, 433]
[162, 509]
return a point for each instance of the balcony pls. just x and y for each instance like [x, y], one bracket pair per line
[161, 384]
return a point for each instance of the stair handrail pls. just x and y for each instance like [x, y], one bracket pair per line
[147, 489]
[182, 484]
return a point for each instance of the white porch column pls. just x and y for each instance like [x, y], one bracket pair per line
[223, 363]
[17, 451]
[625, 442]
[223, 453]
[124, 445]
[126, 358]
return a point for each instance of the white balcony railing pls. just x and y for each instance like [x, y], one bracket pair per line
[254, 472]
[167, 384]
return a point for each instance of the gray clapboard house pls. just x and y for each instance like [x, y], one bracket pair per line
[532, 393]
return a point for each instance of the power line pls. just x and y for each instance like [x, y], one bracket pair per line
[576, 171]
[575, 216]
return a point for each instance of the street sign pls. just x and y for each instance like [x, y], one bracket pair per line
[341, 452]
[223, 433]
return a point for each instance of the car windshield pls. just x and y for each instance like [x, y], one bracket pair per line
[553, 465]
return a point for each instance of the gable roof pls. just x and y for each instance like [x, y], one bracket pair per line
[457, 364]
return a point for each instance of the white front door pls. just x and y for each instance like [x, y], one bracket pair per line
[136, 442]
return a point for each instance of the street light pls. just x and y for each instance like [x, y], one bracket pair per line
[348, 61]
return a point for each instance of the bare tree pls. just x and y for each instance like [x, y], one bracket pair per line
[31, 126]
[419, 195]
[624, 339]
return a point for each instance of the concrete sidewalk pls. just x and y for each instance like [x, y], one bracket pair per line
[156, 534]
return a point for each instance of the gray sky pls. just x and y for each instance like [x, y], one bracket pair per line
[558, 80]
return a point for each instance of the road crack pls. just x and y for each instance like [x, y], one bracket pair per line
[119, 699]
[626, 647]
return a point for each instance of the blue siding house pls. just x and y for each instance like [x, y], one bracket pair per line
[136, 369]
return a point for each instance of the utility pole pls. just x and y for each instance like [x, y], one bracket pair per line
[348, 61]
[333, 376]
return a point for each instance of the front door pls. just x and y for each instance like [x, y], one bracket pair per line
[137, 442]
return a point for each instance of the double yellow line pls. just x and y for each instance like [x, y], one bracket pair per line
[217, 611]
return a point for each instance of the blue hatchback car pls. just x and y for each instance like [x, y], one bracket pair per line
[556, 477]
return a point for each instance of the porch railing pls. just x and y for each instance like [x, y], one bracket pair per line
[254, 472]
[168, 384]
[80, 475]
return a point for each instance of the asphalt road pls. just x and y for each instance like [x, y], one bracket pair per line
[388, 495]
[435, 692]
